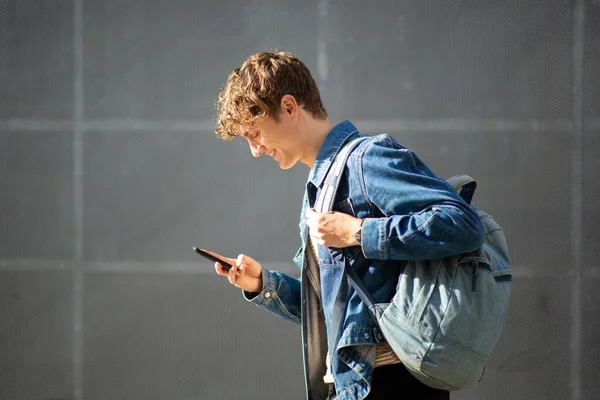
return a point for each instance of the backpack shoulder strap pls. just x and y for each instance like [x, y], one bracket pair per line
[326, 197]
[324, 203]
[464, 185]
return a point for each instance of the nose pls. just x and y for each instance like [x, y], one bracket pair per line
[256, 148]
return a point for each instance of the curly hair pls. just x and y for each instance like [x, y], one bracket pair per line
[254, 91]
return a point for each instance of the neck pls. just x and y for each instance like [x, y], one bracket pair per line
[315, 133]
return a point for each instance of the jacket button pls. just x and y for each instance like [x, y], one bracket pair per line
[379, 336]
[267, 295]
[366, 335]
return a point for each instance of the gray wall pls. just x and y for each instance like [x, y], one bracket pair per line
[110, 173]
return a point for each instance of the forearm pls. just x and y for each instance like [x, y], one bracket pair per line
[442, 231]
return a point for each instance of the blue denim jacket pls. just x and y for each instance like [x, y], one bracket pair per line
[409, 213]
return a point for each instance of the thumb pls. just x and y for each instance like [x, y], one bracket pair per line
[243, 259]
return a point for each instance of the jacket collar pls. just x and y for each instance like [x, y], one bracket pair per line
[334, 141]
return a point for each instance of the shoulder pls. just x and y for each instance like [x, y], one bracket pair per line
[374, 142]
[382, 147]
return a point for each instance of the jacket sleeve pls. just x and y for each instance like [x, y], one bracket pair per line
[424, 217]
[280, 295]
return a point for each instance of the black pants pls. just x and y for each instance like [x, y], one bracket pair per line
[392, 382]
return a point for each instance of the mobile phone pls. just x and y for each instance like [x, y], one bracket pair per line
[212, 258]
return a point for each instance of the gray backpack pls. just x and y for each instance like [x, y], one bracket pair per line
[447, 314]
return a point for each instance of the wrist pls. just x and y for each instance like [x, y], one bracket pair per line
[358, 233]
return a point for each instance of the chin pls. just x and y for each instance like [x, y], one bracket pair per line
[287, 165]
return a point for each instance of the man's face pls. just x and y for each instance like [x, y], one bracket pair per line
[277, 139]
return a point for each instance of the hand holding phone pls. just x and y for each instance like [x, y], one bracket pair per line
[243, 272]
[213, 258]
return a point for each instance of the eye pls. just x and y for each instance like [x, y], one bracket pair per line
[256, 135]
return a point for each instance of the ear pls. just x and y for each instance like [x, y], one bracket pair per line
[289, 105]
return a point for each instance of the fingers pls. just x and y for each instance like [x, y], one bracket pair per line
[243, 261]
[315, 223]
[312, 220]
[236, 271]
[310, 212]
[232, 276]
[220, 269]
[244, 270]
[243, 274]
[318, 221]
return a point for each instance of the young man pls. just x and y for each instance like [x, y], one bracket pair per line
[389, 207]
